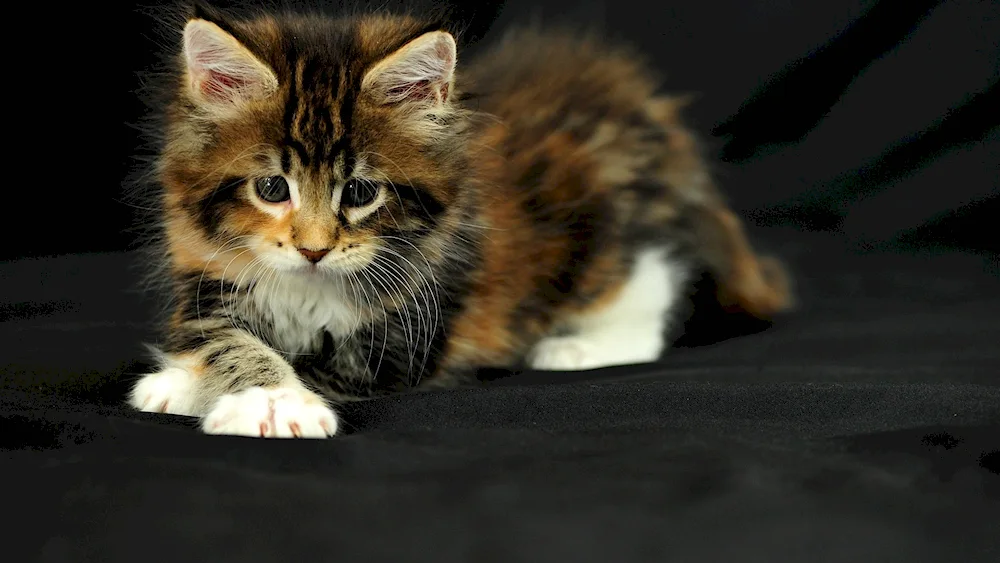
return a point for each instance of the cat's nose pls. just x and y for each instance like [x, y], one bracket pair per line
[314, 255]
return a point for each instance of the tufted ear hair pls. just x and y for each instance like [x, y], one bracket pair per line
[419, 72]
[221, 71]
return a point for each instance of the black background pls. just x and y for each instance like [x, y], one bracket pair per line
[858, 139]
[874, 120]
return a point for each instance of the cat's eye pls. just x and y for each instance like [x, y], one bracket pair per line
[358, 193]
[273, 189]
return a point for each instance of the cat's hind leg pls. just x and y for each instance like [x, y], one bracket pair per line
[630, 328]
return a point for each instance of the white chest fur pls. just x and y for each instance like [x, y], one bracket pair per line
[299, 309]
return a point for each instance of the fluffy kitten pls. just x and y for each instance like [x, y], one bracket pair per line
[343, 218]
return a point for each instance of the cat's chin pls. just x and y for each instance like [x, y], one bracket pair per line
[315, 272]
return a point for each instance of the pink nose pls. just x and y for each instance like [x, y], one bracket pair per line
[314, 255]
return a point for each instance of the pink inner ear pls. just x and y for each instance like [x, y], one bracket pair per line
[421, 90]
[220, 86]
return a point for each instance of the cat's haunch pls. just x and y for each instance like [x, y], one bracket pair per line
[350, 210]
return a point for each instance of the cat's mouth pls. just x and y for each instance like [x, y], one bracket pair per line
[328, 268]
[310, 269]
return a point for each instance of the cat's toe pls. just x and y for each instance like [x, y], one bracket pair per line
[296, 416]
[169, 391]
[565, 353]
[274, 413]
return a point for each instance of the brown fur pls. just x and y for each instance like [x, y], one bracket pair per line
[552, 159]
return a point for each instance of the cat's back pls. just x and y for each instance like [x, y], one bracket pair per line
[578, 126]
[559, 80]
[570, 116]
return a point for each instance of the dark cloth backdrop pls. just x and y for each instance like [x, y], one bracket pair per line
[858, 138]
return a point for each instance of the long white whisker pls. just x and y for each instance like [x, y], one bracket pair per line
[431, 295]
[398, 272]
[351, 278]
[385, 323]
[423, 325]
[204, 270]
[401, 312]
[430, 270]
[230, 304]
[371, 310]
[230, 313]
[411, 346]
[273, 287]
[264, 286]
[252, 288]
[391, 216]
[234, 292]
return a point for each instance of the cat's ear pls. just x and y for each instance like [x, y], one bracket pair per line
[222, 72]
[421, 71]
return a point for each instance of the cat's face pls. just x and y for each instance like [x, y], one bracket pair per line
[308, 148]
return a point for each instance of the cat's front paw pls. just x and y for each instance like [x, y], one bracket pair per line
[169, 391]
[284, 412]
[563, 353]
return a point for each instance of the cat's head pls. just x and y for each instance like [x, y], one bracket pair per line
[304, 144]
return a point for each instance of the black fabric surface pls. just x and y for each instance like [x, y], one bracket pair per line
[862, 427]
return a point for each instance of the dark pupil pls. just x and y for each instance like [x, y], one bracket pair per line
[273, 189]
[358, 193]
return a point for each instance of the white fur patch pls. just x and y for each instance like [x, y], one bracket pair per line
[171, 390]
[285, 412]
[302, 307]
[630, 330]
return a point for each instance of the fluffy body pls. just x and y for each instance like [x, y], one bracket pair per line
[542, 206]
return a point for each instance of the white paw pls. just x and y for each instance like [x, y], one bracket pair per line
[168, 391]
[563, 353]
[284, 412]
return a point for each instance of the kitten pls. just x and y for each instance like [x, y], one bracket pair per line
[343, 218]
